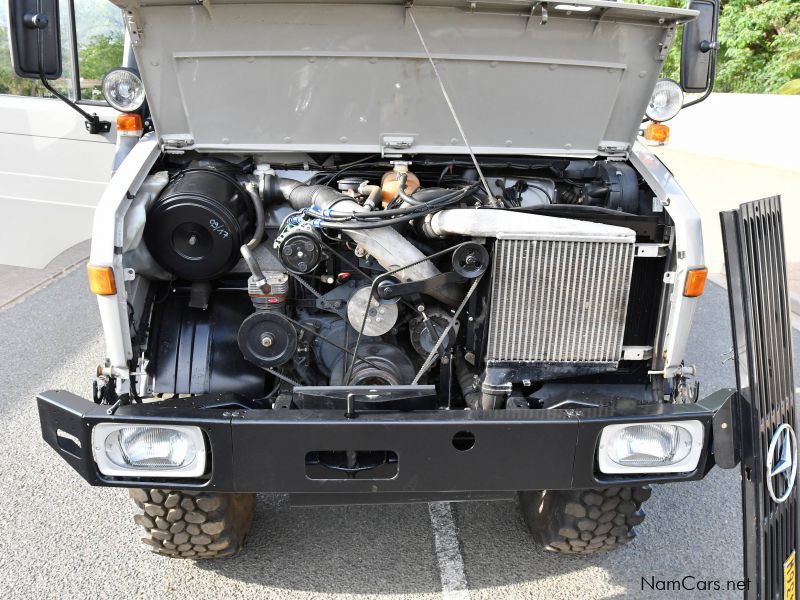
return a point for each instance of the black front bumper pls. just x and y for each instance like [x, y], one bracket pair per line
[268, 450]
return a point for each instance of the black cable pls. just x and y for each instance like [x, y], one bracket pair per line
[371, 220]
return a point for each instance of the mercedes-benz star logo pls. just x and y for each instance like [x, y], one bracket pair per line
[782, 462]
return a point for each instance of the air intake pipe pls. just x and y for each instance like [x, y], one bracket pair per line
[496, 223]
[384, 244]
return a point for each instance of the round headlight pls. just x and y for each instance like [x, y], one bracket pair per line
[123, 89]
[666, 101]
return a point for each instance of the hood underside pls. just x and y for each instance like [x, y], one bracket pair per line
[523, 77]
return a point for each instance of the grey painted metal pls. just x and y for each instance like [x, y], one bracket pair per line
[756, 270]
[317, 76]
[541, 291]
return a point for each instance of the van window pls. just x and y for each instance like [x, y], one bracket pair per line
[98, 24]
[99, 37]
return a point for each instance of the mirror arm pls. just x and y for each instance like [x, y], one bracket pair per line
[93, 123]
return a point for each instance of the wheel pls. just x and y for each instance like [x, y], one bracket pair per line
[183, 524]
[583, 521]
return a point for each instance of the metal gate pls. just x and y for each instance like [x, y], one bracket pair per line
[762, 345]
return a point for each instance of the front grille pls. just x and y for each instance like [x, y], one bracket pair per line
[755, 258]
[559, 301]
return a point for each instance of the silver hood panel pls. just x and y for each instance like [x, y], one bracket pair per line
[316, 76]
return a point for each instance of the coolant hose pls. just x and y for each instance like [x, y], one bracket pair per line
[374, 191]
[466, 381]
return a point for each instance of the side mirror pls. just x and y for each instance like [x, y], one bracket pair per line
[35, 38]
[699, 48]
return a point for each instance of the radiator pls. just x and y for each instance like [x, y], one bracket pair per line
[559, 301]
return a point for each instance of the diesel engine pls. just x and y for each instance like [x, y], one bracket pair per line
[487, 286]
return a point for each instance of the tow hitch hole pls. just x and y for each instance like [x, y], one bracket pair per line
[463, 441]
[351, 464]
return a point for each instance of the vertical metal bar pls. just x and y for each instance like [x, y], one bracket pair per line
[75, 95]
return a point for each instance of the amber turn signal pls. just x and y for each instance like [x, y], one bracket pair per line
[101, 280]
[129, 124]
[695, 282]
[656, 132]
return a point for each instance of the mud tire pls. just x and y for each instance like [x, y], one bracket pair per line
[194, 525]
[584, 521]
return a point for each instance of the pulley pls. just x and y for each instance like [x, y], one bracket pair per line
[470, 260]
[267, 339]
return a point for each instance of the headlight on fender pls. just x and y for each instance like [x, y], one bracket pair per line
[131, 450]
[666, 101]
[663, 447]
[123, 89]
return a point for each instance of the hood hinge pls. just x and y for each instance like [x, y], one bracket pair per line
[615, 150]
[175, 143]
[665, 44]
[393, 145]
[135, 31]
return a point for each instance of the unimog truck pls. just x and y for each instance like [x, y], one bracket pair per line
[383, 251]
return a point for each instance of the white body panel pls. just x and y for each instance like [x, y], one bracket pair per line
[689, 254]
[107, 237]
[52, 174]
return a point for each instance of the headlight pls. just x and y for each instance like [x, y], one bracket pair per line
[668, 447]
[666, 101]
[123, 89]
[149, 450]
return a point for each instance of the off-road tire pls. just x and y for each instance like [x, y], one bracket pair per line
[194, 525]
[583, 521]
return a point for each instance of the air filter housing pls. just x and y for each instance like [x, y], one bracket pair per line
[196, 227]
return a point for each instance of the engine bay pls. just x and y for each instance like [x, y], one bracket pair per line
[500, 286]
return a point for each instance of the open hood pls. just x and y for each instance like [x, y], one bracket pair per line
[550, 78]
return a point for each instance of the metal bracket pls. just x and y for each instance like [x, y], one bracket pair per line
[637, 352]
[135, 31]
[664, 46]
[618, 150]
[176, 142]
[393, 146]
[543, 13]
[391, 290]
[670, 277]
[651, 250]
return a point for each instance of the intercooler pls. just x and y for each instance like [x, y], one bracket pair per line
[558, 306]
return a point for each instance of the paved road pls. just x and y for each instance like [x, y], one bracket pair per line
[61, 538]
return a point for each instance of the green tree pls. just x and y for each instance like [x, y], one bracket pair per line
[760, 45]
[760, 42]
[17, 86]
[101, 53]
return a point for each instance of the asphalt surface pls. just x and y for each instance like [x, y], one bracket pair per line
[60, 538]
